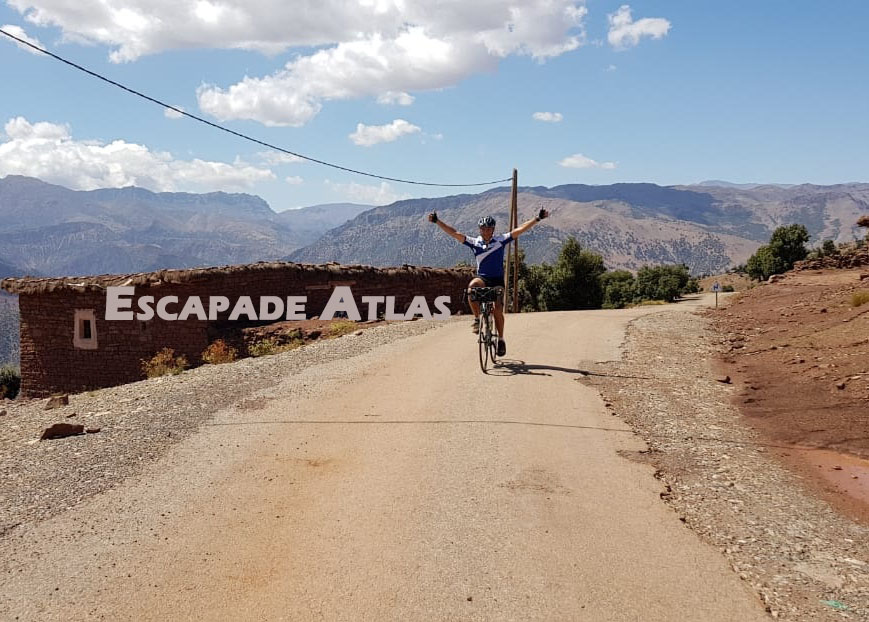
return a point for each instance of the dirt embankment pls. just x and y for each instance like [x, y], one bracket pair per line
[798, 351]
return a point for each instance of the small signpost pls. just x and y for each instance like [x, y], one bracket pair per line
[716, 287]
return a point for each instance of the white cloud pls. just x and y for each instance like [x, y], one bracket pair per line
[396, 98]
[48, 151]
[577, 160]
[276, 158]
[294, 180]
[384, 49]
[610, 68]
[368, 135]
[382, 194]
[548, 117]
[173, 114]
[18, 31]
[625, 33]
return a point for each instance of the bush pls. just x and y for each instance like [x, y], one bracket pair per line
[271, 345]
[10, 381]
[859, 298]
[219, 352]
[829, 248]
[574, 281]
[787, 245]
[619, 289]
[728, 288]
[164, 363]
[662, 282]
[341, 327]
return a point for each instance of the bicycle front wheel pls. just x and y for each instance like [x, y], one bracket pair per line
[483, 340]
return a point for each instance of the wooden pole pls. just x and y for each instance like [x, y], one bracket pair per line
[514, 217]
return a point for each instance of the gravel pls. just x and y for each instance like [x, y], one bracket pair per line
[804, 560]
[139, 422]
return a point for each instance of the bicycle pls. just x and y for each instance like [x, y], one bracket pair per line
[487, 338]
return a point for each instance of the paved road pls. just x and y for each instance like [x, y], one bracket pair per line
[410, 486]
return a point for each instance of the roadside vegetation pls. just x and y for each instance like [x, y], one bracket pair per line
[579, 280]
[10, 381]
[219, 352]
[164, 363]
[272, 345]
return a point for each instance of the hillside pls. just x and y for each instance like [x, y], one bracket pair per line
[707, 228]
[51, 230]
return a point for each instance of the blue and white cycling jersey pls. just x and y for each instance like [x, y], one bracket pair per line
[490, 257]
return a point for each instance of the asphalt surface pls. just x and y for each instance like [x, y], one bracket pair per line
[403, 484]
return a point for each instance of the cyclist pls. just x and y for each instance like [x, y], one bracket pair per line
[488, 250]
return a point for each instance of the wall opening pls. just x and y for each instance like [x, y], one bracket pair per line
[85, 330]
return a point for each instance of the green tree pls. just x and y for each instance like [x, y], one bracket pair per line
[787, 245]
[574, 282]
[662, 282]
[619, 289]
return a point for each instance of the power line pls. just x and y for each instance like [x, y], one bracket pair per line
[239, 134]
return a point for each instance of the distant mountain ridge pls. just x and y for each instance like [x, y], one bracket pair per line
[51, 230]
[706, 227]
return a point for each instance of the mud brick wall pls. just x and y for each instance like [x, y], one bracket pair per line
[50, 363]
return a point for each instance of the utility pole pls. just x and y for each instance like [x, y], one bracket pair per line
[514, 216]
[514, 222]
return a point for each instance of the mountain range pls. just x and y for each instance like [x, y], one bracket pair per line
[708, 228]
[50, 230]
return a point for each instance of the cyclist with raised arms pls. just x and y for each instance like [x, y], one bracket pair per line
[488, 250]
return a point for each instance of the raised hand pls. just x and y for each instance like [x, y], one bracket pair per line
[433, 217]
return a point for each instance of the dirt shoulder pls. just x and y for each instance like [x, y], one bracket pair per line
[806, 560]
[798, 351]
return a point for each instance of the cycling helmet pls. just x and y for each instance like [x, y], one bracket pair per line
[486, 221]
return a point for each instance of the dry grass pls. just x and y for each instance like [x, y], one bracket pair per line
[271, 345]
[164, 363]
[219, 352]
[859, 298]
[341, 327]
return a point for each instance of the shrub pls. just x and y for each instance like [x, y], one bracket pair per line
[829, 248]
[10, 381]
[164, 363]
[859, 298]
[219, 352]
[619, 289]
[340, 327]
[662, 282]
[728, 288]
[787, 245]
[271, 345]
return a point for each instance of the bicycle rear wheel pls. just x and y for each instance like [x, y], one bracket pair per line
[483, 340]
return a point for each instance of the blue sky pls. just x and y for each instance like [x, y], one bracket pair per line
[665, 92]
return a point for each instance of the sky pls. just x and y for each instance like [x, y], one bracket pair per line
[452, 92]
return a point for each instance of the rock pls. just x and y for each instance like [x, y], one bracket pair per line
[864, 275]
[358, 333]
[61, 430]
[56, 401]
[775, 278]
[2, 413]
[314, 334]
[724, 380]
[92, 430]
[840, 386]
[824, 310]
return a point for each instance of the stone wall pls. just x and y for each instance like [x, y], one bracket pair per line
[50, 363]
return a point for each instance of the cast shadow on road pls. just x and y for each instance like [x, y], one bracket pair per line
[514, 367]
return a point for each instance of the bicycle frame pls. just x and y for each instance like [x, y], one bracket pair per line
[487, 338]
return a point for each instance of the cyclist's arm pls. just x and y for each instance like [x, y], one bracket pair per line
[525, 226]
[460, 237]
